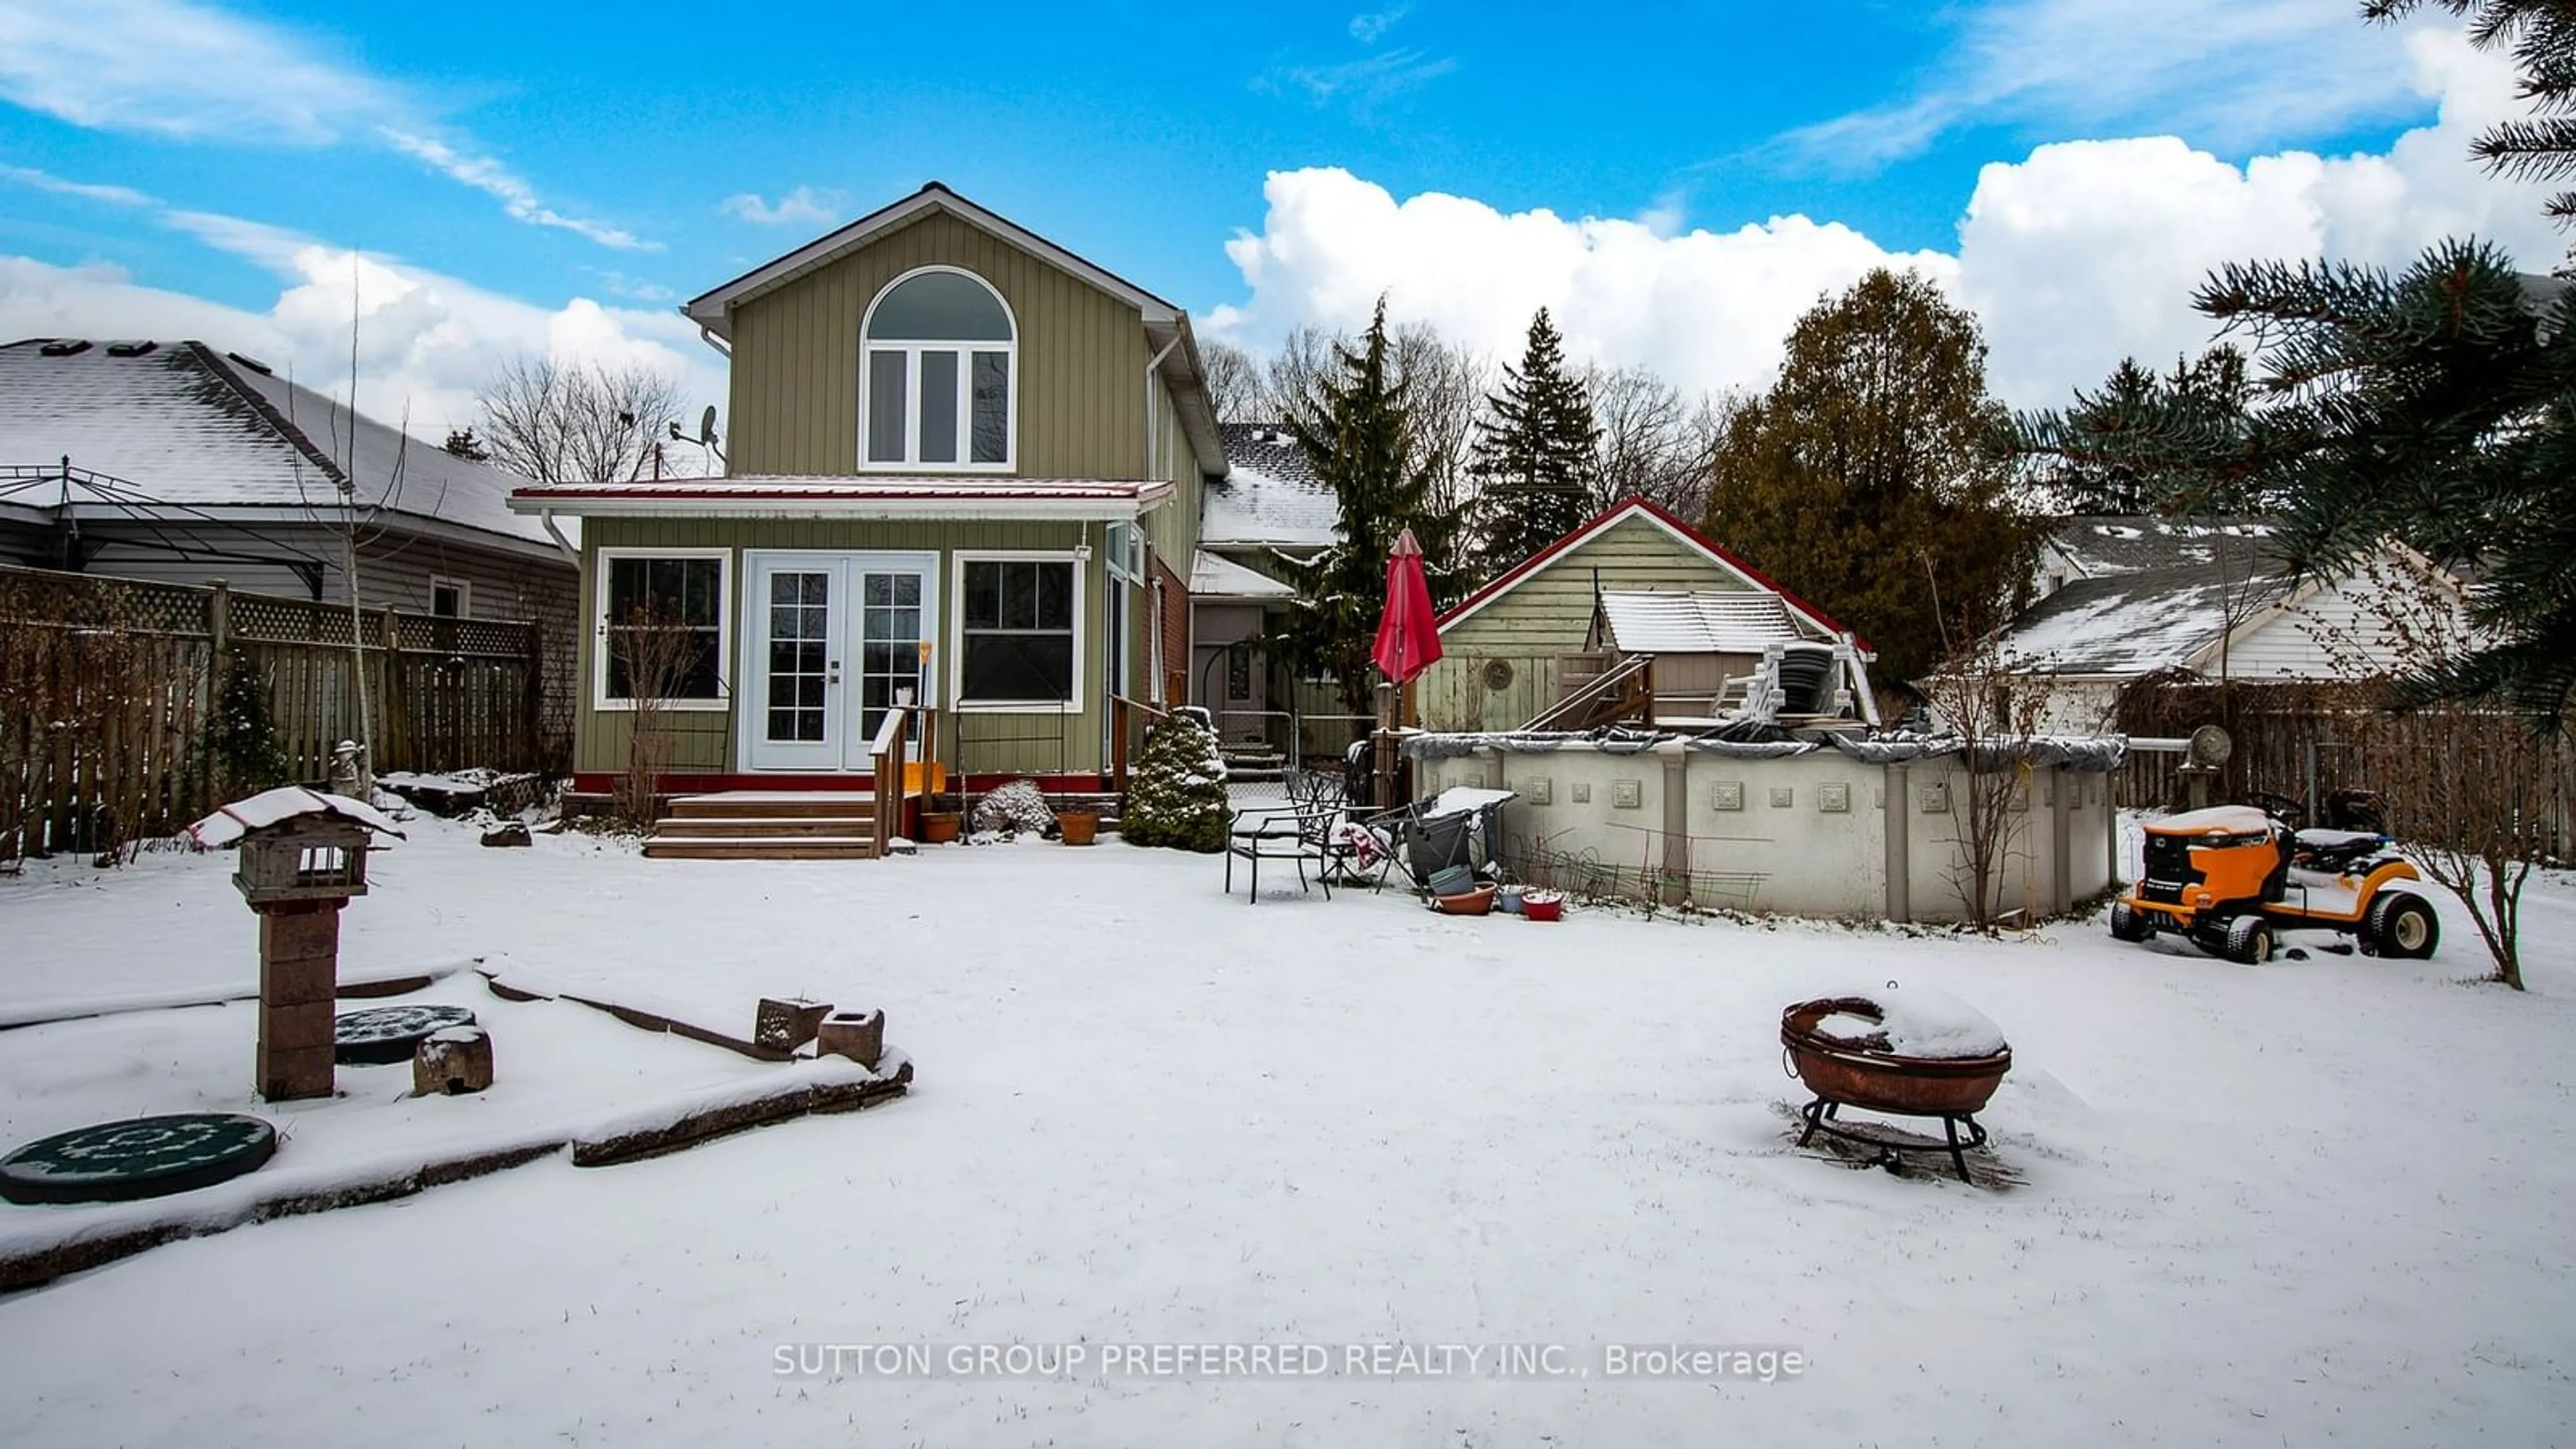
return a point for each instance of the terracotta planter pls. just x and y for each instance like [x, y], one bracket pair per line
[1476, 902]
[941, 827]
[1882, 1081]
[1078, 826]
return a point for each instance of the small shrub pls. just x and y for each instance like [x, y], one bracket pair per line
[1177, 797]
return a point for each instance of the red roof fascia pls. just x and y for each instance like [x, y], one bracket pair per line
[1665, 516]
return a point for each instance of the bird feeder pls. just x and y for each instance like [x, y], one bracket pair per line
[303, 856]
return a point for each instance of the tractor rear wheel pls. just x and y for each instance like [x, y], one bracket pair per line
[2401, 924]
[2249, 940]
[2128, 924]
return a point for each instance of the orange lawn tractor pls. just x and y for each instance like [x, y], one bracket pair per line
[2233, 876]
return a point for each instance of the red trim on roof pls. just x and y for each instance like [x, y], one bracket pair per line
[1634, 504]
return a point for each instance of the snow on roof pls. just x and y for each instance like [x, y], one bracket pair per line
[2115, 544]
[231, 822]
[192, 427]
[1698, 622]
[1270, 495]
[1212, 577]
[2132, 623]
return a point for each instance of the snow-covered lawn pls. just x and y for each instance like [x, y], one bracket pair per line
[2320, 1201]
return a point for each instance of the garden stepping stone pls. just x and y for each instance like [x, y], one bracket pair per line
[137, 1158]
[384, 1034]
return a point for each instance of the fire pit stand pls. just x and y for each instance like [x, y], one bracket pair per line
[1818, 1116]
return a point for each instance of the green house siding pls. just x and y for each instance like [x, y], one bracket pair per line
[1546, 615]
[795, 394]
[980, 742]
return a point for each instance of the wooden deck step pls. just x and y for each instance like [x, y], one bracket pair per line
[797, 847]
[703, 827]
[773, 804]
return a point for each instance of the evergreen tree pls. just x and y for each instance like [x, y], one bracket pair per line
[1867, 479]
[1351, 422]
[2438, 406]
[2175, 445]
[2542, 34]
[1533, 460]
[1177, 797]
[242, 753]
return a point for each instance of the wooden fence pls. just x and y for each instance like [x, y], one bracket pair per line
[108, 686]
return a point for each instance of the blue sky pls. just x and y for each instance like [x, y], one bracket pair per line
[537, 154]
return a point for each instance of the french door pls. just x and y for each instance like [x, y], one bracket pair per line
[830, 639]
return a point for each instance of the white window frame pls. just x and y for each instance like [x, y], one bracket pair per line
[464, 596]
[912, 349]
[599, 698]
[957, 563]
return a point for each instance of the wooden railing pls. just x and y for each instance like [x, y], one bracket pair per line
[890, 751]
[1626, 691]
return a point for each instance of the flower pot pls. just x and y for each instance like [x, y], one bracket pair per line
[1476, 902]
[1508, 900]
[1078, 826]
[940, 827]
[1543, 906]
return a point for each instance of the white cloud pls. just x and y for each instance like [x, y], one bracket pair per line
[805, 206]
[47, 181]
[188, 71]
[2077, 255]
[1366, 28]
[425, 342]
[2234, 74]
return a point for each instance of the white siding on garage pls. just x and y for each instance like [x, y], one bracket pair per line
[2317, 638]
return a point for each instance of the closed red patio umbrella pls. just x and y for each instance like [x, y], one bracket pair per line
[1408, 633]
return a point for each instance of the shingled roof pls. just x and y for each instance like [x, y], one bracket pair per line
[1270, 496]
[180, 425]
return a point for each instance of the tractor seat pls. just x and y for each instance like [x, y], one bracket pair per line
[2336, 849]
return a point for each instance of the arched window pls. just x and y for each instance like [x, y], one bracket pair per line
[941, 351]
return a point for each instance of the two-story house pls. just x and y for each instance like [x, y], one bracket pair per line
[964, 462]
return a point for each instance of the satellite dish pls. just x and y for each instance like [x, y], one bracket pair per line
[2209, 747]
[707, 426]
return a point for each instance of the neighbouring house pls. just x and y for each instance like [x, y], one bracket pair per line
[966, 465]
[1268, 516]
[2121, 598]
[1635, 603]
[177, 462]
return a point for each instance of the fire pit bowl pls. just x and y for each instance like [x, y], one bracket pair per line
[1862, 1071]
[1916, 1054]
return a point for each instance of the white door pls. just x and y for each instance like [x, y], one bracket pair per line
[832, 637]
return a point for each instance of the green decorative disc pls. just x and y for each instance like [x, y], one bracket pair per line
[143, 1157]
[383, 1034]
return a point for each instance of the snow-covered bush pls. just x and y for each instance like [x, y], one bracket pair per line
[1015, 807]
[1177, 796]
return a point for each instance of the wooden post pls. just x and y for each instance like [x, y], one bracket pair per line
[1385, 741]
[393, 749]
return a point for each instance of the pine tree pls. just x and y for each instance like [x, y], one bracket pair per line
[1352, 425]
[1533, 461]
[1868, 480]
[2437, 406]
[2174, 445]
[2542, 34]
[1177, 797]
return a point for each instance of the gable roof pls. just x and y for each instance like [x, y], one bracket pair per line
[1167, 327]
[1657, 515]
[179, 428]
[1269, 497]
[1704, 621]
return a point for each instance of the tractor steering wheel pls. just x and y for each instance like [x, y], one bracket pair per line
[2280, 807]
